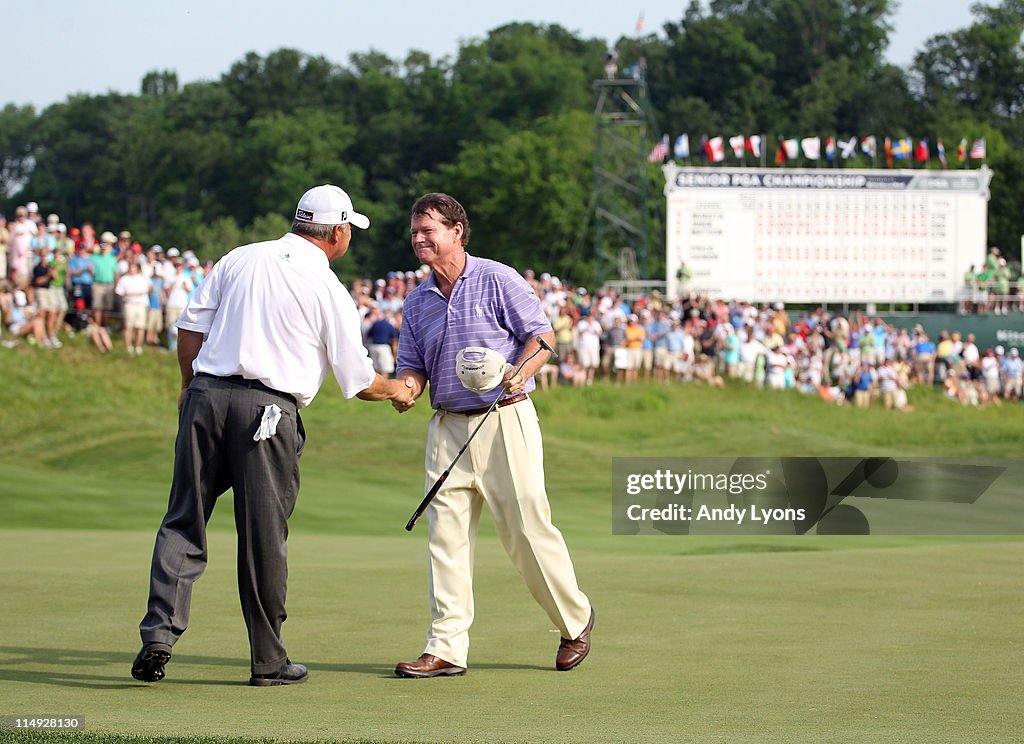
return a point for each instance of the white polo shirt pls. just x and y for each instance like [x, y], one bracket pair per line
[275, 312]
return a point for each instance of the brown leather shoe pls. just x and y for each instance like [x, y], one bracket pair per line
[571, 653]
[428, 665]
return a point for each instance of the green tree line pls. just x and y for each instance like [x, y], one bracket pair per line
[506, 124]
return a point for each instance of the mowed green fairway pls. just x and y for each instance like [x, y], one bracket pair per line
[767, 639]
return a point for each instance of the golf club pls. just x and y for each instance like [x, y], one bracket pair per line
[444, 476]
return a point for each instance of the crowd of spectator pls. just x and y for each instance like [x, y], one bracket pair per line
[988, 290]
[66, 282]
[58, 281]
[854, 360]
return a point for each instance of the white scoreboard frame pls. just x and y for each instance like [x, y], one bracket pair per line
[825, 235]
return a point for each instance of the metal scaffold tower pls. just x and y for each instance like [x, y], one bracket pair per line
[625, 120]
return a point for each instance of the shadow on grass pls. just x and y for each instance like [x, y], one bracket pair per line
[22, 664]
[764, 547]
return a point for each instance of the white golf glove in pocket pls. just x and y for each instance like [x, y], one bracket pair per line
[268, 424]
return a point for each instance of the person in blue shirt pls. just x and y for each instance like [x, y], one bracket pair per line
[82, 274]
[863, 379]
[731, 351]
[1013, 371]
[155, 312]
[382, 340]
[647, 349]
[676, 340]
[924, 356]
[657, 332]
[880, 333]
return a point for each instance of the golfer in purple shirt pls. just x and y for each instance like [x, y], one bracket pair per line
[469, 301]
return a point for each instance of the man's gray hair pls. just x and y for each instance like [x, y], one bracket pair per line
[315, 231]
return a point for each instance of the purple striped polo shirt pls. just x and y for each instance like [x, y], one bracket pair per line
[491, 306]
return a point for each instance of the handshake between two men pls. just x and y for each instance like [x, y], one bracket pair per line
[479, 370]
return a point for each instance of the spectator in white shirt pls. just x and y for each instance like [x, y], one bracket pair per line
[133, 289]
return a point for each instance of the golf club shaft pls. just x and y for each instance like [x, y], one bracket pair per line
[444, 476]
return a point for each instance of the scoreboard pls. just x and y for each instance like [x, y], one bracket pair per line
[825, 235]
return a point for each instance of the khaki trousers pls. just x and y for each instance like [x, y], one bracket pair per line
[504, 468]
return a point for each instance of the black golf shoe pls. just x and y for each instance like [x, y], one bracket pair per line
[288, 674]
[149, 663]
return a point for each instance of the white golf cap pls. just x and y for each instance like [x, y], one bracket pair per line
[479, 369]
[329, 205]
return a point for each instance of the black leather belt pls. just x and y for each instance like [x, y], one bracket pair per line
[501, 404]
[246, 382]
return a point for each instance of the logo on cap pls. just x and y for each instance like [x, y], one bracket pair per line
[302, 214]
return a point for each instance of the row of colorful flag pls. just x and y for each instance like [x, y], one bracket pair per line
[812, 148]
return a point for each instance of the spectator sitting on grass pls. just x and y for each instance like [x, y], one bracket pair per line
[704, 371]
[570, 373]
[24, 320]
[547, 375]
[888, 384]
[97, 334]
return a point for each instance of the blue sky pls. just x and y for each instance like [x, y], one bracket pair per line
[60, 47]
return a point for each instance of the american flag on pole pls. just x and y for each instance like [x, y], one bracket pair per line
[978, 149]
[660, 151]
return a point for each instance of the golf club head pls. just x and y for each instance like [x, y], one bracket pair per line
[544, 345]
